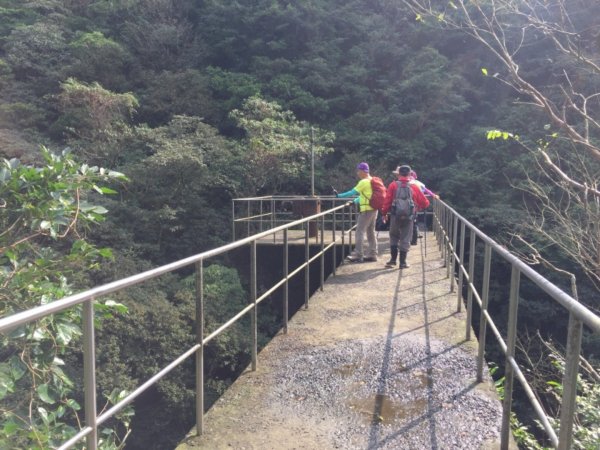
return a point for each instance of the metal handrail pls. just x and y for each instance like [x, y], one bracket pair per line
[92, 419]
[446, 228]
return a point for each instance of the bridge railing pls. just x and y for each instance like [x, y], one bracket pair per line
[256, 214]
[341, 235]
[452, 232]
[253, 215]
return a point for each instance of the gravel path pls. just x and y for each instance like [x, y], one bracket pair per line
[377, 361]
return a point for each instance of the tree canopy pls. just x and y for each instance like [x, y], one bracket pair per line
[494, 103]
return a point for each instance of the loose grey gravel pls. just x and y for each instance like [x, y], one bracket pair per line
[403, 394]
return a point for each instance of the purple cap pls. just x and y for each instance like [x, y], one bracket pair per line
[363, 166]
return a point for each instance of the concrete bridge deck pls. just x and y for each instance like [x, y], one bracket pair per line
[379, 360]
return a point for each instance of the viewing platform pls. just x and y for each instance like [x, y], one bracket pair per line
[379, 360]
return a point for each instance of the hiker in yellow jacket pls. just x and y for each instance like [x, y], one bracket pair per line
[366, 217]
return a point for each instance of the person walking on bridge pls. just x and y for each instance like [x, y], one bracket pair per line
[427, 193]
[402, 202]
[366, 217]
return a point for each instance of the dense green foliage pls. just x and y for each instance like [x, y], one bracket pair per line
[201, 102]
[45, 212]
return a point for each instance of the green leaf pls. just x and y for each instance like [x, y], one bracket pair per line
[484, 71]
[66, 331]
[119, 307]
[45, 394]
[115, 174]
[105, 252]
[10, 427]
[6, 381]
[17, 368]
[60, 411]
[73, 405]
[44, 415]
[39, 334]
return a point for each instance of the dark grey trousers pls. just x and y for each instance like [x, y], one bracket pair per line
[401, 233]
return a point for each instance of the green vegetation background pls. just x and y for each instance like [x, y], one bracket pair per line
[147, 88]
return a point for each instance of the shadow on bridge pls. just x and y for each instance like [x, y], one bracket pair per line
[379, 360]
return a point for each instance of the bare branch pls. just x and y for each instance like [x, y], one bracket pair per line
[565, 177]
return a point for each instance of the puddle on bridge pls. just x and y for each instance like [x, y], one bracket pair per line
[346, 370]
[381, 409]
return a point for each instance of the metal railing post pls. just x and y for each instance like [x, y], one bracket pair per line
[307, 268]
[334, 240]
[485, 295]
[89, 373]
[447, 232]
[248, 220]
[253, 292]
[273, 219]
[435, 220]
[200, 351]
[272, 213]
[568, 405]
[343, 233]
[260, 216]
[425, 231]
[461, 266]
[351, 227]
[452, 260]
[471, 285]
[322, 251]
[286, 288]
[509, 371]
[446, 240]
[440, 231]
[232, 220]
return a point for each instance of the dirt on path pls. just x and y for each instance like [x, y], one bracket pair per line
[379, 360]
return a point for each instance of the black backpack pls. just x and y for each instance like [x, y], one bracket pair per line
[403, 205]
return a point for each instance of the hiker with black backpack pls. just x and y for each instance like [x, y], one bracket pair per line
[403, 200]
[371, 194]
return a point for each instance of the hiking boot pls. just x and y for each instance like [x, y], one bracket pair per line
[370, 259]
[403, 263]
[391, 263]
[354, 258]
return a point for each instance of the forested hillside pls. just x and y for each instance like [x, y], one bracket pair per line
[189, 103]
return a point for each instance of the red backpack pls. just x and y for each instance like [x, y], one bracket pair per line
[378, 197]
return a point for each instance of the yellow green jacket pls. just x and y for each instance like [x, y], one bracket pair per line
[364, 191]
